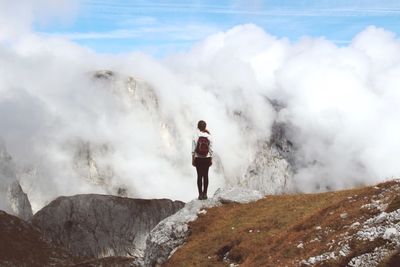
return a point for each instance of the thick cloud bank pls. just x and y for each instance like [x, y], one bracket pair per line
[342, 104]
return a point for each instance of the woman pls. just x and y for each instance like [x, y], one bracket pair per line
[202, 157]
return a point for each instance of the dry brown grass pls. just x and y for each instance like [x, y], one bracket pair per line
[267, 232]
[393, 260]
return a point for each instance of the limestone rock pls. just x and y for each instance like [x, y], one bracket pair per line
[91, 162]
[12, 198]
[274, 162]
[238, 195]
[269, 173]
[131, 90]
[19, 201]
[102, 225]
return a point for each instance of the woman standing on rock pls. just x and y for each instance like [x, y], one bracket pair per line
[202, 157]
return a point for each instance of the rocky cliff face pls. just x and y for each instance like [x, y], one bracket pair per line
[269, 172]
[12, 197]
[100, 225]
[19, 201]
[132, 91]
[274, 163]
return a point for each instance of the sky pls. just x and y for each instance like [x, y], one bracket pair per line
[162, 27]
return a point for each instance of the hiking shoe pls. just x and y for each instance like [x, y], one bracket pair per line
[204, 196]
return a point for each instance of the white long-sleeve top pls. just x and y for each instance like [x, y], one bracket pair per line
[194, 144]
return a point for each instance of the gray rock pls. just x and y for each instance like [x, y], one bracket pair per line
[91, 163]
[12, 198]
[269, 173]
[102, 225]
[237, 195]
[19, 201]
[131, 90]
[281, 137]
[281, 141]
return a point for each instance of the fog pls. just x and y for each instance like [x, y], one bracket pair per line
[343, 105]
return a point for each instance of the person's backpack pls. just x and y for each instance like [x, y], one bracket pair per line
[203, 146]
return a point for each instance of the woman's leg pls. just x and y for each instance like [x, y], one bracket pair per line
[199, 178]
[205, 175]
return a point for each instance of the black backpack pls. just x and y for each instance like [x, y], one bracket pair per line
[203, 146]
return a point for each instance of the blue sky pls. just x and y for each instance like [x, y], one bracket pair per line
[160, 27]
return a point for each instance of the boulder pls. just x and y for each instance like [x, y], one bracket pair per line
[237, 195]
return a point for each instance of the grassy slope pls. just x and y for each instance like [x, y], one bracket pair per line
[267, 232]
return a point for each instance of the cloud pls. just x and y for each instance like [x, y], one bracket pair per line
[342, 103]
[17, 19]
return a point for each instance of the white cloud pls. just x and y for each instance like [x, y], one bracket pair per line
[343, 102]
[17, 18]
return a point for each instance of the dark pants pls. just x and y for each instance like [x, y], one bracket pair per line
[202, 166]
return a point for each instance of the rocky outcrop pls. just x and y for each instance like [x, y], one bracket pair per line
[12, 198]
[275, 159]
[102, 225]
[19, 201]
[172, 232]
[23, 245]
[269, 173]
[280, 141]
[132, 91]
[91, 163]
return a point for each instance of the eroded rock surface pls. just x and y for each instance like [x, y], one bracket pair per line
[269, 173]
[274, 163]
[102, 225]
[12, 198]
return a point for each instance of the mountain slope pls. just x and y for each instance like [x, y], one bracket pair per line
[23, 245]
[356, 227]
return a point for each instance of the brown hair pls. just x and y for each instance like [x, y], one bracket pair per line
[201, 125]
